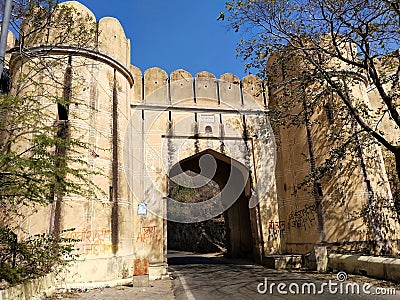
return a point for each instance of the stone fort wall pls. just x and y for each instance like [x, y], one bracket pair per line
[135, 111]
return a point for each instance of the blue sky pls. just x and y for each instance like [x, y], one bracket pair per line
[175, 34]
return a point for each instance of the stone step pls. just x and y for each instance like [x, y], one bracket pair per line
[283, 262]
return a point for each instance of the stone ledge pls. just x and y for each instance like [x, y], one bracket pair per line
[93, 285]
[158, 271]
[283, 262]
[34, 289]
[42, 287]
[377, 267]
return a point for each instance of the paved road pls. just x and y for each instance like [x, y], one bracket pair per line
[204, 277]
[158, 290]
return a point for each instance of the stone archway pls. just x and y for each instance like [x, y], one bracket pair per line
[179, 124]
[233, 179]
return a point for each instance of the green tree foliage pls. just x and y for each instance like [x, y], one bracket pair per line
[36, 256]
[187, 194]
[31, 170]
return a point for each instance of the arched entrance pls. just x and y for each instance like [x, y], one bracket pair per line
[233, 179]
[183, 126]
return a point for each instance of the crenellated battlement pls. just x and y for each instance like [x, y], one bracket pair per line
[74, 25]
[106, 42]
[113, 41]
[156, 87]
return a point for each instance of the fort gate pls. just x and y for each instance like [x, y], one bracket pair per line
[217, 128]
[146, 129]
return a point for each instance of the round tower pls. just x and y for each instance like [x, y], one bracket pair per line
[78, 69]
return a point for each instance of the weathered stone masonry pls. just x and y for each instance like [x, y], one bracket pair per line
[144, 124]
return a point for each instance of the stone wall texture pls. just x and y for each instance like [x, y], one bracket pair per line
[141, 129]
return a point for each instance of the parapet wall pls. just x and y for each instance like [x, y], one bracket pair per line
[76, 26]
[155, 87]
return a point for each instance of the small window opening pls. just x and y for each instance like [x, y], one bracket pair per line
[62, 112]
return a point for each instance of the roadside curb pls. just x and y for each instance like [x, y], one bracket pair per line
[376, 267]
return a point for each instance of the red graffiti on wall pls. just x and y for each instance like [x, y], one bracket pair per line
[148, 235]
[93, 242]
